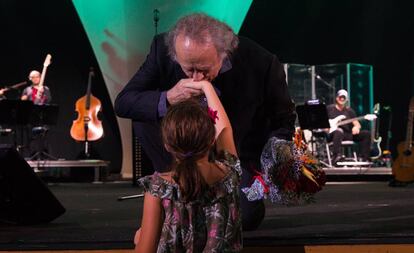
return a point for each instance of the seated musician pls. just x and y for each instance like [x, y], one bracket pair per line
[351, 131]
[39, 95]
[31, 92]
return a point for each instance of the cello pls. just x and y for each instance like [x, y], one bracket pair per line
[87, 127]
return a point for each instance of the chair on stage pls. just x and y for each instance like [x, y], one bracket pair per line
[349, 155]
[313, 116]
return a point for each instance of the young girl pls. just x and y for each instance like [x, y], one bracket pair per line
[195, 206]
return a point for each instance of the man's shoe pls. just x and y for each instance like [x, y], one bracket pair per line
[336, 159]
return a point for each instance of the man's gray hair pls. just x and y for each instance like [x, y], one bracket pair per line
[203, 29]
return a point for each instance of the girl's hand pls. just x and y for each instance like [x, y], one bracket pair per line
[198, 85]
[137, 236]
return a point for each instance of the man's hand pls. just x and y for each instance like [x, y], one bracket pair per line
[355, 130]
[184, 89]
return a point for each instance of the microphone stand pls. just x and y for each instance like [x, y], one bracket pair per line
[86, 121]
[331, 87]
[324, 81]
[328, 84]
[131, 197]
[156, 18]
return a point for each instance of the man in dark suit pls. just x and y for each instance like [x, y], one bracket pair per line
[249, 80]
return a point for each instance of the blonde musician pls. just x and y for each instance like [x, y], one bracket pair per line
[351, 131]
[39, 94]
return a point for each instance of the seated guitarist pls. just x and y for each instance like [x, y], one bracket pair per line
[30, 93]
[351, 131]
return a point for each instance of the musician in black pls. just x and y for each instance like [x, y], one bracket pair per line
[39, 95]
[351, 131]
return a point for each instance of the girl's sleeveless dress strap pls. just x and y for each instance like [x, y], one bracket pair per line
[158, 187]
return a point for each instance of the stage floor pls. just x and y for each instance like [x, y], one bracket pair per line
[344, 213]
[358, 170]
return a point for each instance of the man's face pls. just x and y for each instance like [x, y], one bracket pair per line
[198, 61]
[34, 77]
[341, 100]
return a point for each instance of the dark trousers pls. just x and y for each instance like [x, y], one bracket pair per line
[363, 138]
[149, 135]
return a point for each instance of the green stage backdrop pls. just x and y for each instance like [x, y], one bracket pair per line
[120, 32]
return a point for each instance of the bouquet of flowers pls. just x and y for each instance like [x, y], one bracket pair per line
[290, 175]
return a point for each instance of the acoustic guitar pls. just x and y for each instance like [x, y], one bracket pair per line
[403, 166]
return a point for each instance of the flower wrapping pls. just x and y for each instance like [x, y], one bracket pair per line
[290, 175]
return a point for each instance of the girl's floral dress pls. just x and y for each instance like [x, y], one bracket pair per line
[211, 223]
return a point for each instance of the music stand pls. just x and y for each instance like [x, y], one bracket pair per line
[14, 113]
[312, 116]
[42, 116]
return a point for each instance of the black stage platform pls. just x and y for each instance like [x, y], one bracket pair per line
[344, 213]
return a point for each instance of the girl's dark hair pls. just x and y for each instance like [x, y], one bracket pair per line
[189, 132]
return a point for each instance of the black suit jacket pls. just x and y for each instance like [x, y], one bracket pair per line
[253, 92]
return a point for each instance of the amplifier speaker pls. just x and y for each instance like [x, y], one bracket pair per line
[24, 197]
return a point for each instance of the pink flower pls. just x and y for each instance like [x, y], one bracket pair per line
[212, 233]
[212, 114]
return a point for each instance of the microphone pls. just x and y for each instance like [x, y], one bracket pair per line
[324, 81]
[156, 18]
